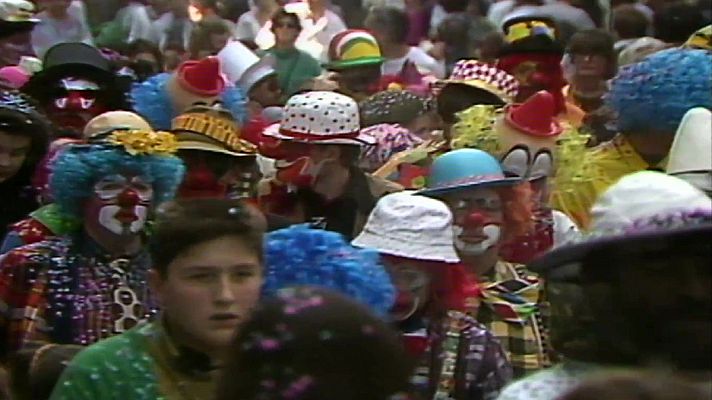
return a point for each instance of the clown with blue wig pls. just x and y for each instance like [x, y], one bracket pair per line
[303, 256]
[165, 96]
[91, 283]
[649, 99]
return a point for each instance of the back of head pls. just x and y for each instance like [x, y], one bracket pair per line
[637, 386]
[389, 22]
[312, 344]
[629, 22]
[677, 21]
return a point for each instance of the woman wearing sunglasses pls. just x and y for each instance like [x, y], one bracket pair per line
[294, 67]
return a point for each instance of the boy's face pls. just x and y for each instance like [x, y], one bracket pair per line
[209, 290]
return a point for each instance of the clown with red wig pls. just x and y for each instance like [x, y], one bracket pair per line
[414, 236]
[533, 55]
[491, 210]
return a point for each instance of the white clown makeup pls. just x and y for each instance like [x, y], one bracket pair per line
[413, 285]
[478, 220]
[124, 203]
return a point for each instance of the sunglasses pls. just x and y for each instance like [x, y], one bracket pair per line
[286, 25]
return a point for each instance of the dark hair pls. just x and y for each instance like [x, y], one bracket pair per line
[314, 344]
[595, 42]
[284, 14]
[391, 21]
[183, 224]
[200, 38]
[629, 22]
[348, 154]
[28, 122]
[677, 21]
[139, 46]
[35, 370]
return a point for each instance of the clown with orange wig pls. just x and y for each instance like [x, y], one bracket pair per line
[490, 210]
[530, 144]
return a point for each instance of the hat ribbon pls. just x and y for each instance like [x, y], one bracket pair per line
[470, 180]
[316, 137]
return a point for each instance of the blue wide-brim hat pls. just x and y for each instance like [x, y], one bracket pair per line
[465, 169]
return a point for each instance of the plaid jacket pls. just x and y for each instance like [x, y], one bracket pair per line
[52, 292]
[526, 344]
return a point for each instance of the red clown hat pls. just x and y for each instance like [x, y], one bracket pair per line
[536, 116]
[201, 77]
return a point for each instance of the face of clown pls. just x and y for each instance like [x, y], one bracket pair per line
[413, 284]
[535, 72]
[119, 206]
[478, 221]
[75, 104]
[298, 164]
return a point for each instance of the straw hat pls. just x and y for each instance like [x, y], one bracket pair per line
[406, 225]
[115, 120]
[211, 129]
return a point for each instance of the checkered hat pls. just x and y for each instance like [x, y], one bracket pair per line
[486, 77]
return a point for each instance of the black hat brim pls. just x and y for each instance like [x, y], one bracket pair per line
[63, 60]
[8, 28]
[557, 264]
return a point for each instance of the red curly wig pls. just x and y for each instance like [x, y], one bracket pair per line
[518, 210]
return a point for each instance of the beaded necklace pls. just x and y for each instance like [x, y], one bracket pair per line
[92, 296]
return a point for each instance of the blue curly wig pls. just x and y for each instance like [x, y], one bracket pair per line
[79, 167]
[299, 255]
[654, 94]
[150, 100]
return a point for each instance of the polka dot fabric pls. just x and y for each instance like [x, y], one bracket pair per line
[487, 77]
[320, 117]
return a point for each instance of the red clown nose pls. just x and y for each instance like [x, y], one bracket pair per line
[474, 220]
[128, 198]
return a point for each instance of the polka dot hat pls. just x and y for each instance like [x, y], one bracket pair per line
[320, 118]
[486, 77]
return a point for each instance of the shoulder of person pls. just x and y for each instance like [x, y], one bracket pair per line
[380, 187]
[117, 366]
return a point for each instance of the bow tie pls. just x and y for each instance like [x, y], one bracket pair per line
[513, 300]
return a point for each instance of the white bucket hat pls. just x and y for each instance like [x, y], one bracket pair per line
[643, 196]
[242, 67]
[406, 225]
[691, 153]
[641, 207]
[320, 118]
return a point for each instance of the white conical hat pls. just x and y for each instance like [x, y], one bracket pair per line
[257, 72]
[235, 59]
[691, 151]
[242, 67]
